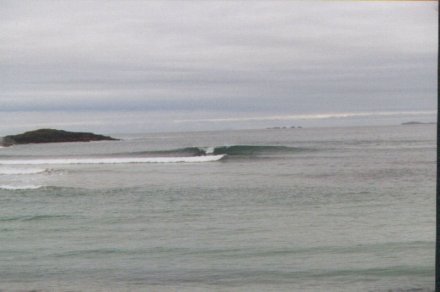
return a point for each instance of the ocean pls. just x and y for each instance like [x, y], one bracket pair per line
[311, 209]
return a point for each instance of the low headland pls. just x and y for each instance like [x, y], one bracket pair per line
[51, 136]
[417, 123]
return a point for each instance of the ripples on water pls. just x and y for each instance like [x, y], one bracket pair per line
[285, 210]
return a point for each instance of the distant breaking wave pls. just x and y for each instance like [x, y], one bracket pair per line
[229, 150]
[23, 171]
[118, 160]
[17, 188]
[181, 155]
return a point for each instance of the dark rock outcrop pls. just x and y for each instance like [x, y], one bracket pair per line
[416, 123]
[52, 136]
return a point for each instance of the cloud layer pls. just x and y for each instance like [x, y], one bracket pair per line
[271, 58]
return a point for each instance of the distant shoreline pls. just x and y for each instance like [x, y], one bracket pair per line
[417, 123]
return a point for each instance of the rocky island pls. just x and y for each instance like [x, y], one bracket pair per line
[51, 136]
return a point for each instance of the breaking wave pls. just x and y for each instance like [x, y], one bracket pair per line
[22, 171]
[117, 160]
[230, 150]
[20, 188]
[181, 155]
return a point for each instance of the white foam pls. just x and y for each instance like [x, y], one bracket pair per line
[119, 160]
[20, 171]
[210, 150]
[14, 188]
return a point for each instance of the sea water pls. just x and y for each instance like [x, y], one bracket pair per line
[319, 209]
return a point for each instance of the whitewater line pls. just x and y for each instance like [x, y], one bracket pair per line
[193, 159]
[15, 171]
[17, 188]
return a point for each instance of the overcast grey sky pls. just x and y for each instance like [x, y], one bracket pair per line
[118, 66]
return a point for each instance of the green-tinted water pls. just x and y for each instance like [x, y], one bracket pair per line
[335, 209]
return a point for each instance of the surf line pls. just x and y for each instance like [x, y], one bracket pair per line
[120, 160]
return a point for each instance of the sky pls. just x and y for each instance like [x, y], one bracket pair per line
[150, 66]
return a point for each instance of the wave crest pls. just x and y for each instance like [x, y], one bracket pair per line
[20, 188]
[253, 150]
[22, 171]
[244, 150]
[117, 160]
[181, 155]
